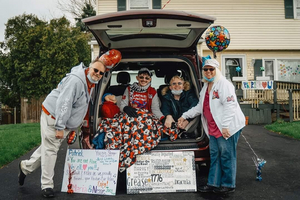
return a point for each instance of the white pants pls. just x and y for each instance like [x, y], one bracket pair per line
[45, 156]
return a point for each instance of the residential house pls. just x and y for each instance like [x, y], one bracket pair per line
[265, 35]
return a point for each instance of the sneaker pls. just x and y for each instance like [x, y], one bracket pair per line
[206, 188]
[223, 190]
[21, 175]
[48, 193]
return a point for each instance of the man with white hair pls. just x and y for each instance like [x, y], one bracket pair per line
[222, 121]
[62, 111]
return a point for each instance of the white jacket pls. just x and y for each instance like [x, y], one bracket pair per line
[223, 106]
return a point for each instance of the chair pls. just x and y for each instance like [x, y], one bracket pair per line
[123, 80]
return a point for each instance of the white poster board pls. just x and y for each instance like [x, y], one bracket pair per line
[96, 171]
[160, 172]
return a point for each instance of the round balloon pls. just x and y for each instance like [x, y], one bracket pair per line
[217, 38]
[111, 58]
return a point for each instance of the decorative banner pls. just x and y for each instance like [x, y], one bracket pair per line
[258, 85]
[158, 172]
[217, 38]
[93, 171]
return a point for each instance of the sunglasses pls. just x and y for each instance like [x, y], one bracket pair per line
[97, 70]
[210, 69]
[144, 77]
[179, 83]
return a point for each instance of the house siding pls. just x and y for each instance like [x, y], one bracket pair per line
[106, 6]
[258, 28]
[252, 24]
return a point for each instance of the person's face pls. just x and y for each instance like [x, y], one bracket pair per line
[209, 71]
[143, 79]
[176, 84]
[96, 71]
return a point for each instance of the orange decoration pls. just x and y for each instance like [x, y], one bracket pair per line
[111, 58]
[71, 138]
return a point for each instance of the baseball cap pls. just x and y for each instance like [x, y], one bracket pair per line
[144, 71]
[211, 62]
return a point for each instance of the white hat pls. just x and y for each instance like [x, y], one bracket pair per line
[211, 62]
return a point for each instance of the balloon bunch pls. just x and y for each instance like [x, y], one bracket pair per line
[111, 58]
[217, 39]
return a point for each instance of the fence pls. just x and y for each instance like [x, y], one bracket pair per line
[284, 98]
[10, 116]
[31, 110]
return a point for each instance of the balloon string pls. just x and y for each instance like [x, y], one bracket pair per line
[249, 146]
[166, 4]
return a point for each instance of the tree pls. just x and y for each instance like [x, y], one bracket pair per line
[88, 11]
[75, 7]
[38, 55]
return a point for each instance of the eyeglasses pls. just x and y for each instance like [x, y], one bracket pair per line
[210, 69]
[97, 70]
[179, 83]
[144, 77]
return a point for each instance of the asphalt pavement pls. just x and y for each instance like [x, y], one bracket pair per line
[281, 173]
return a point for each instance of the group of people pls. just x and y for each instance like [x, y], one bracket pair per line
[66, 106]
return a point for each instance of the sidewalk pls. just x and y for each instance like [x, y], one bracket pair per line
[281, 173]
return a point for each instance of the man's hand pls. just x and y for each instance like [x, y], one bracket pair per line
[225, 133]
[59, 134]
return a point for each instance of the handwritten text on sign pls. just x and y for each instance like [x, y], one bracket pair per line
[157, 172]
[95, 171]
[259, 85]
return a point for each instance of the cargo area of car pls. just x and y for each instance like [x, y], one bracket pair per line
[118, 79]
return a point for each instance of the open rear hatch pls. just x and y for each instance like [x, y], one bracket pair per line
[152, 29]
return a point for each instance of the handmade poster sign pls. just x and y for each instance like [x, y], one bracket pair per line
[159, 172]
[258, 85]
[91, 171]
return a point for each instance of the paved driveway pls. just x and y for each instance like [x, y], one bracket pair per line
[281, 174]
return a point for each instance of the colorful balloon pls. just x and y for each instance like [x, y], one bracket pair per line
[217, 38]
[111, 58]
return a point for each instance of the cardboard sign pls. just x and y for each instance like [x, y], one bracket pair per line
[259, 85]
[95, 171]
[159, 172]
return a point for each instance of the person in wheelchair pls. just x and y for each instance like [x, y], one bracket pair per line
[177, 98]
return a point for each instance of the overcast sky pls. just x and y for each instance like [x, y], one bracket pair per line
[43, 9]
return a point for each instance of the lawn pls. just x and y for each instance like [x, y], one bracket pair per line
[17, 139]
[286, 128]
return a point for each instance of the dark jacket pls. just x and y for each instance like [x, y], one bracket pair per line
[170, 106]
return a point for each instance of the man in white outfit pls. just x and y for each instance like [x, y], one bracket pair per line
[62, 111]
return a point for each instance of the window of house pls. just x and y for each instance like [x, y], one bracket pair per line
[281, 69]
[139, 4]
[288, 70]
[269, 70]
[234, 67]
[297, 9]
[292, 9]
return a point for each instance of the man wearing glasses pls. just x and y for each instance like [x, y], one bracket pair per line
[140, 95]
[63, 110]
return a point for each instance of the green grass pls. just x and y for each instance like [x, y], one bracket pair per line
[286, 128]
[17, 139]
